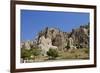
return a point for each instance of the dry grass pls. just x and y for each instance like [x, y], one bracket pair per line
[67, 55]
[75, 54]
[72, 54]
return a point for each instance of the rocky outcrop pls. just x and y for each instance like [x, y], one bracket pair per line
[80, 37]
[55, 35]
[57, 39]
[45, 44]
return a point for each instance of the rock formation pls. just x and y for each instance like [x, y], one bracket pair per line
[57, 39]
[45, 44]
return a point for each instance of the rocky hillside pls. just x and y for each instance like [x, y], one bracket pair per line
[57, 39]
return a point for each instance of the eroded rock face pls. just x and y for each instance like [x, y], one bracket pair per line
[45, 44]
[26, 45]
[80, 37]
[57, 39]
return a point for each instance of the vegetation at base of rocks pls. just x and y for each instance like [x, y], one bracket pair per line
[82, 53]
[35, 54]
[25, 54]
[30, 54]
[52, 53]
[35, 51]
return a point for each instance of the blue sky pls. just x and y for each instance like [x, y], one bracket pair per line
[33, 21]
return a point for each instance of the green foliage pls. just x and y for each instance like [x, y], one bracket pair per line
[52, 53]
[35, 51]
[25, 54]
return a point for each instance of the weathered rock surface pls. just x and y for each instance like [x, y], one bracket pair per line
[57, 39]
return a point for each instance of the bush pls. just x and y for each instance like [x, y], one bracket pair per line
[25, 54]
[35, 51]
[53, 53]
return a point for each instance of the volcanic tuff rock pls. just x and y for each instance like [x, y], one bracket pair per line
[57, 39]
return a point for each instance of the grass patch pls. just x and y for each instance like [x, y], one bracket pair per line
[67, 55]
[75, 54]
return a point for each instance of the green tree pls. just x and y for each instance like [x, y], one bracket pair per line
[53, 53]
[35, 52]
[25, 54]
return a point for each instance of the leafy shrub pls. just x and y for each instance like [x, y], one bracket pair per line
[25, 54]
[53, 53]
[35, 51]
